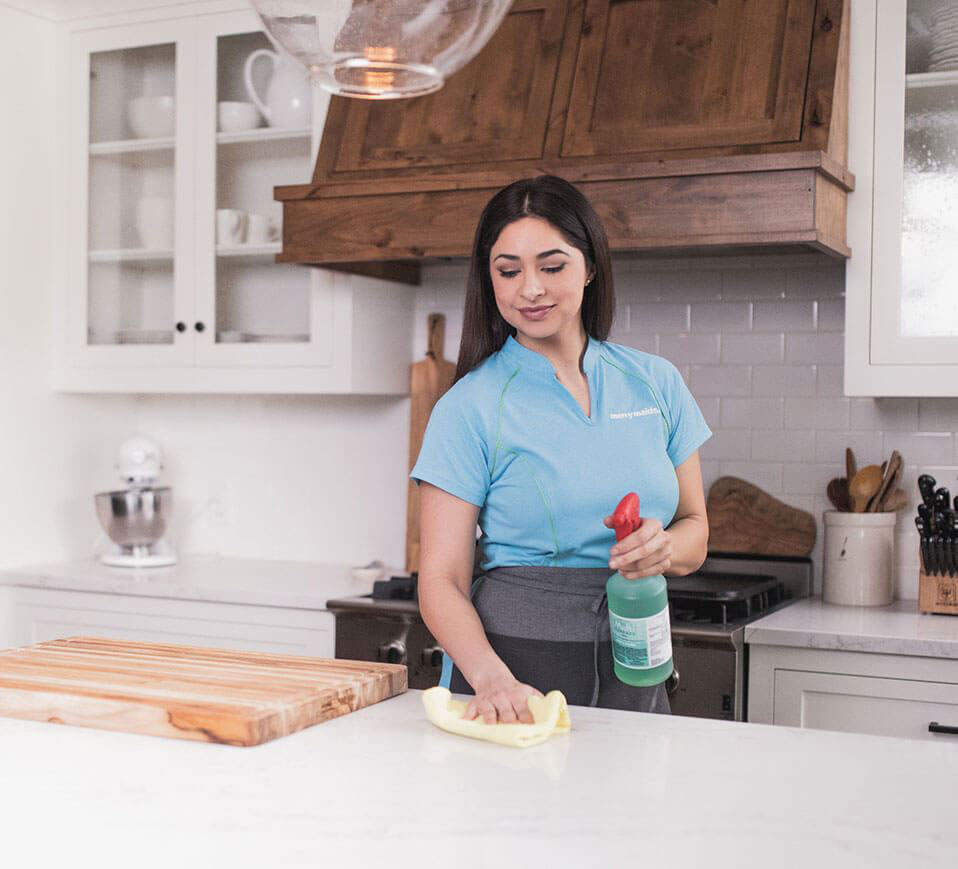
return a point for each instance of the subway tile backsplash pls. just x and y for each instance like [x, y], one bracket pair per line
[760, 341]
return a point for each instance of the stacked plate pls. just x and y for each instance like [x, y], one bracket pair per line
[944, 39]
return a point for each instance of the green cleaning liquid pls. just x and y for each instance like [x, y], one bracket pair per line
[638, 614]
[639, 621]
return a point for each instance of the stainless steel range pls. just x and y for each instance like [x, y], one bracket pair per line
[709, 611]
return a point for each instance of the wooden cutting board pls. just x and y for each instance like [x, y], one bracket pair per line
[744, 518]
[186, 692]
[429, 379]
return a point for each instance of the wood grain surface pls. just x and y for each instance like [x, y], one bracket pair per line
[429, 379]
[186, 692]
[774, 207]
[937, 594]
[656, 108]
[744, 518]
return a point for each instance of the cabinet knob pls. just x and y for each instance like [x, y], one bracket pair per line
[199, 327]
[181, 327]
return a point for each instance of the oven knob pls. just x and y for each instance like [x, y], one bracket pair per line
[432, 657]
[393, 653]
[672, 683]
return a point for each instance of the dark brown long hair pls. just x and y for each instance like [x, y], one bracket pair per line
[554, 199]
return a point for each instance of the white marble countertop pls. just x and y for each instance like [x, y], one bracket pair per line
[382, 787]
[294, 584]
[897, 629]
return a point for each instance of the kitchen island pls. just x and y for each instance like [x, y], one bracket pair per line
[383, 787]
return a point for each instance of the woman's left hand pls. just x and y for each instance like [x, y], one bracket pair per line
[645, 552]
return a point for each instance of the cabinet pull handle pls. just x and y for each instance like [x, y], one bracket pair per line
[935, 727]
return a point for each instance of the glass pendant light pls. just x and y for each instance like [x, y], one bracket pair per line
[381, 49]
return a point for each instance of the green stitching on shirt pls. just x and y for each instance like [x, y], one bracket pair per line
[666, 418]
[528, 464]
[502, 398]
[545, 503]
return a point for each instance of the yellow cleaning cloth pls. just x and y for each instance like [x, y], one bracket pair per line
[550, 714]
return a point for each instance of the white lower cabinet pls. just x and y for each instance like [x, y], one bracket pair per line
[35, 615]
[853, 692]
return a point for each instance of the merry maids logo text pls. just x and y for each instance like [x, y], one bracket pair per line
[629, 414]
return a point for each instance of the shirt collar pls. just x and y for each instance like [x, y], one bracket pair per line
[532, 361]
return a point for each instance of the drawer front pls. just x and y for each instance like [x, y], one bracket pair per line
[199, 623]
[865, 704]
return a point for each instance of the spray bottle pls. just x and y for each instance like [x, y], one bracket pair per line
[638, 614]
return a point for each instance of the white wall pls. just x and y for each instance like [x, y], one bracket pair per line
[760, 343]
[49, 445]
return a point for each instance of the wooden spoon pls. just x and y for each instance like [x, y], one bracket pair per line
[895, 481]
[894, 501]
[837, 492]
[850, 468]
[887, 483]
[863, 486]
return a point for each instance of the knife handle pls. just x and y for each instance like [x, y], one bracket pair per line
[942, 499]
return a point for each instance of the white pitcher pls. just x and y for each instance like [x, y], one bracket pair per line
[289, 95]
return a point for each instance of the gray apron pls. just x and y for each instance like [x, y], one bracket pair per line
[550, 625]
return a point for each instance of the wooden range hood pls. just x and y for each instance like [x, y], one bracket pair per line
[694, 126]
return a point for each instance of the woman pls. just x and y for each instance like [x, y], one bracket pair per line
[546, 427]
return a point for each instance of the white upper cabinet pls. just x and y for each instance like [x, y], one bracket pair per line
[131, 149]
[169, 280]
[902, 295]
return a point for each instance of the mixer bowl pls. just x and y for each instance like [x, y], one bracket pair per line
[134, 518]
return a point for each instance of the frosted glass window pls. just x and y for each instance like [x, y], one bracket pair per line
[929, 300]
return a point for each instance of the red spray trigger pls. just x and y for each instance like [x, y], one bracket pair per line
[626, 519]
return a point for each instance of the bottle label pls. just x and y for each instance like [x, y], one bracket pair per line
[641, 644]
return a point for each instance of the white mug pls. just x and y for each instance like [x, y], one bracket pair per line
[154, 222]
[230, 226]
[235, 117]
[260, 229]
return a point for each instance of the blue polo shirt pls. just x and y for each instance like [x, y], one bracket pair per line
[511, 439]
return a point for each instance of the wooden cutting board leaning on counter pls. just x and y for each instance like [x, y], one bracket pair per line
[744, 518]
[429, 379]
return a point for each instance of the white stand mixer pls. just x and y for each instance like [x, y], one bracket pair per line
[135, 517]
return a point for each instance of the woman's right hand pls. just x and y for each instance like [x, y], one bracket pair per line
[502, 698]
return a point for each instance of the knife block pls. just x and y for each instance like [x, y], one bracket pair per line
[937, 594]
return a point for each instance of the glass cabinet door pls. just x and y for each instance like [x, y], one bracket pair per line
[915, 312]
[135, 216]
[254, 132]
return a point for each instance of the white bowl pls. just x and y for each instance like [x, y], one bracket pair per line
[152, 117]
[236, 117]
